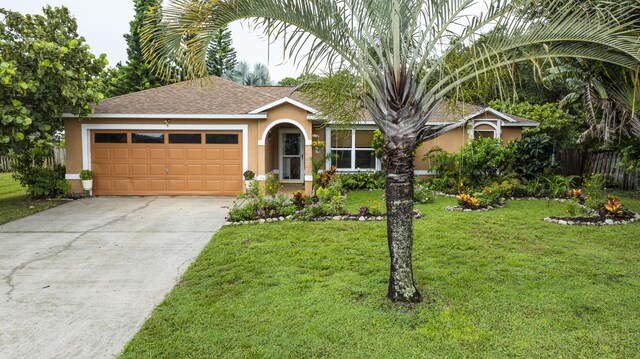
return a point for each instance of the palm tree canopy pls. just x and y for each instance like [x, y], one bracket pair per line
[397, 48]
[243, 74]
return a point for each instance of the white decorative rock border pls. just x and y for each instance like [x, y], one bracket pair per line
[483, 209]
[416, 215]
[567, 221]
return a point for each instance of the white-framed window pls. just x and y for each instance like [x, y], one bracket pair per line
[350, 149]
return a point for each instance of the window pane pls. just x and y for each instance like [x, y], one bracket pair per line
[364, 138]
[222, 138]
[365, 159]
[147, 137]
[486, 134]
[341, 159]
[195, 138]
[341, 139]
[110, 137]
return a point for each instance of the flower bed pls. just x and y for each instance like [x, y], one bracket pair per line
[360, 218]
[597, 220]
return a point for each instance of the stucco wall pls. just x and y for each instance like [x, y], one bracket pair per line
[511, 133]
[450, 142]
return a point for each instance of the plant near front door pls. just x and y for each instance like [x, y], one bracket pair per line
[397, 51]
[87, 179]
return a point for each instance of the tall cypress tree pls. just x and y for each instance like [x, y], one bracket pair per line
[221, 56]
[136, 74]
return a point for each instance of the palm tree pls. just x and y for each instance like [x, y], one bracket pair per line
[609, 98]
[397, 49]
[243, 74]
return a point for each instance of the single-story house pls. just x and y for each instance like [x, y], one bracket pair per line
[189, 139]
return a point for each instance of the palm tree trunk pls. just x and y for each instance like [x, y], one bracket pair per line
[399, 197]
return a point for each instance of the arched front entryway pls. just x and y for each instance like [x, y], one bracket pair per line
[285, 151]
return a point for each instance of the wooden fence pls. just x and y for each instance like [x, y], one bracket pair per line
[572, 163]
[57, 157]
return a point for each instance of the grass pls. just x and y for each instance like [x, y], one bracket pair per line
[357, 199]
[497, 284]
[15, 204]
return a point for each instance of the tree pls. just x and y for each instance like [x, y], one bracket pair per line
[243, 74]
[300, 80]
[397, 50]
[136, 74]
[46, 69]
[221, 56]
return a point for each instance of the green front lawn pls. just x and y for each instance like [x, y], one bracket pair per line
[497, 284]
[14, 203]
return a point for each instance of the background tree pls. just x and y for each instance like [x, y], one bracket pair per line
[46, 69]
[300, 80]
[136, 74]
[221, 56]
[243, 74]
[397, 50]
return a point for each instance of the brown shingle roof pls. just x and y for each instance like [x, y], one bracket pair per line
[212, 95]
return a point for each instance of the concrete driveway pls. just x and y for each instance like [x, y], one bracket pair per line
[79, 280]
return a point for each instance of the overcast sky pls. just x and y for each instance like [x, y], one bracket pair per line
[103, 23]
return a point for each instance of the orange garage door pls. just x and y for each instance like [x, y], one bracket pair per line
[167, 163]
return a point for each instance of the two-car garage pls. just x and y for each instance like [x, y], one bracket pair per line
[154, 162]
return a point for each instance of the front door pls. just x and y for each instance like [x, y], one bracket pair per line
[292, 156]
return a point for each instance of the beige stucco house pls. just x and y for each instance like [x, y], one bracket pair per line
[199, 138]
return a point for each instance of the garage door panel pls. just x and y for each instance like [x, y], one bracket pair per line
[176, 154]
[159, 185]
[120, 169]
[139, 169]
[120, 154]
[140, 184]
[101, 169]
[195, 185]
[101, 184]
[231, 185]
[213, 154]
[213, 170]
[212, 184]
[176, 185]
[195, 154]
[166, 169]
[228, 170]
[177, 169]
[157, 153]
[139, 154]
[121, 184]
[102, 153]
[157, 169]
[232, 154]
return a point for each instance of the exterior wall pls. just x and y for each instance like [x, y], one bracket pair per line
[73, 147]
[449, 142]
[511, 133]
[318, 135]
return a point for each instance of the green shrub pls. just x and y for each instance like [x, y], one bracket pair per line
[594, 191]
[531, 156]
[479, 162]
[422, 193]
[41, 182]
[573, 208]
[558, 186]
[244, 212]
[86, 175]
[272, 185]
[363, 180]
